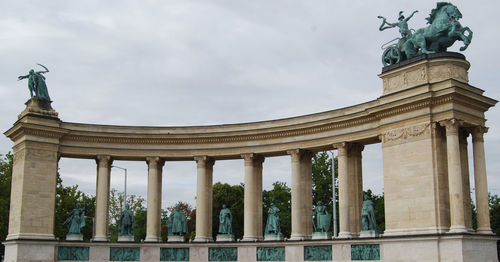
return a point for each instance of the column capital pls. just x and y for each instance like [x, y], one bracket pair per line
[478, 132]
[298, 154]
[155, 160]
[204, 161]
[252, 158]
[341, 148]
[103, 160]
[451, 125]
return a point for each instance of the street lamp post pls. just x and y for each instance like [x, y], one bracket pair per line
[125, 194]
[334, 197]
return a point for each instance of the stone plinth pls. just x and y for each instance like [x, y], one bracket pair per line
[225, 238]
[368, 233]
[321, 235]
[273, 237]
[74, 237]
[125, 238]
[175, 239]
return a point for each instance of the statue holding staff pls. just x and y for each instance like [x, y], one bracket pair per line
[36, 83]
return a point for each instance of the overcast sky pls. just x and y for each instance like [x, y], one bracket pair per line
[178, 63]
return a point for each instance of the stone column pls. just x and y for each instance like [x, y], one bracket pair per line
[102, 198]
[355, 178]
[153, 226]
[455, 182]
[301, 194]
[464, 160]
[204, 199]
[252, 212]
[344, 198]
[480, 181]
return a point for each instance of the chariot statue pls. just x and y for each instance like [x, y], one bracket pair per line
[442, 32]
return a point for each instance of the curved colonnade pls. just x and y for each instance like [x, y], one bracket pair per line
[423, 118]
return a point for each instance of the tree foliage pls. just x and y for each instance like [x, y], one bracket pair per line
[232, 196]
[6, 163]
[281, 196]
[136, 204]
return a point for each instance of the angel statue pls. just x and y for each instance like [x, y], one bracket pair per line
[36, 83]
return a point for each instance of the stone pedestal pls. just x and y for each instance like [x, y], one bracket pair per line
[321, 235]
[74, 237]
[175, 239]
[368, 233]
[273, 237]
[125, 238]
[224, 238]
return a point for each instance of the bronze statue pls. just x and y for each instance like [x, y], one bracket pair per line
[36, 83]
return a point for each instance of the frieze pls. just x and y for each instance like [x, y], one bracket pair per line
[407, 133]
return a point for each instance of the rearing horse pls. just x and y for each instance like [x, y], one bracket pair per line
[443, 31]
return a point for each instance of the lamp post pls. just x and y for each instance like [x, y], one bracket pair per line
[334, 199]
[125, 194]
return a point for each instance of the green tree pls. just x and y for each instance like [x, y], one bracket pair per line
[6, 163]
[232, 196]
[66, 199]
[116, 205]
[281, 196]
[190, 220]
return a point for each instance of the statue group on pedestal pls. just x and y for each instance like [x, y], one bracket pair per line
[443, 30]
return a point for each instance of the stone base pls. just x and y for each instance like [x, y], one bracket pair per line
[74, 237]
[368, 233]
[175, 239]
[274, 237]
[125, 238]
[321, 235]
[224, 238]
[37, 106]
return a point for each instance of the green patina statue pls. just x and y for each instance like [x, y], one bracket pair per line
[443, 30]
[273, 221]
[321, 219]
[36, 83]
[225, 220]
[368, 215]
[126, 222]
[178, 222]
[75, 221]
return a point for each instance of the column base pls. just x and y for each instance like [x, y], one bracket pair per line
[345, 235]
[457, 229]
[30, 250]
[484, 230]
[153, 239]
[33, 236]
[100, 239]
[203, 239]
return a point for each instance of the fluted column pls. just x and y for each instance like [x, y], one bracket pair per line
[355, 178]
[102, 198]
[455, 182]
[480, 181]
[344, 198]
[252, 212]
[204, 199]
[301, 194]
[153, 226]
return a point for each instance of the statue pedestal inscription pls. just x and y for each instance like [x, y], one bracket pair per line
[224, 238]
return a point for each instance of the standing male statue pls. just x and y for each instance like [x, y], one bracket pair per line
[368, 218]
[273, 230]
[321, 218]
[179, 224]
[225, 219]
[126, 223]
[36, 83]
[75, 223]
